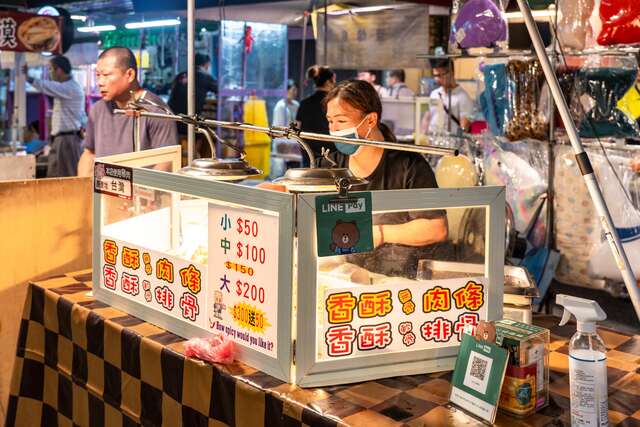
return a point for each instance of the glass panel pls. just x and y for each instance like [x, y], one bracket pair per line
[416, 293]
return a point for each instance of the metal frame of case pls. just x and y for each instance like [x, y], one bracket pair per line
[309, 372]
[280, 203]
[297, 269]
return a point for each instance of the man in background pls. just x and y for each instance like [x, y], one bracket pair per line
[396, 87]
[178, 98]
[456, 104]
[109, 133]
[67, 119]
[371, 77]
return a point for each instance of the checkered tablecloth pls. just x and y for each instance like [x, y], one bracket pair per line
[81, 362]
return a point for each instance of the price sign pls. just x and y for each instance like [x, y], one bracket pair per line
[243, 266]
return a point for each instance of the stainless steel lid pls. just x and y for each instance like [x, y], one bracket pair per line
[220, 169]
[318, 179]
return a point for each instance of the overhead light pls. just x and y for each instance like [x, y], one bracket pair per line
[97, 28]
[203, 30]
[79, 18]
[364, 9]
[151, 24]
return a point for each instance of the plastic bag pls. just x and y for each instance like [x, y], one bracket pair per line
[477, 23]
[494, 100]
[600, 84]
[526, 119]
[522, 168]
[574, 27]
[620, 22]
[626, 219]
[217, 349]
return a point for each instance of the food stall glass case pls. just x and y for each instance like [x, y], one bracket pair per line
[198, 257]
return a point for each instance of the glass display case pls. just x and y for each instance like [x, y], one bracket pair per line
[198, 257]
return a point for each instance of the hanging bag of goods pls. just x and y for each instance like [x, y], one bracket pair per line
[527, 118]
[477, 24]
[574, 26]
[620, 22]
[600, 84]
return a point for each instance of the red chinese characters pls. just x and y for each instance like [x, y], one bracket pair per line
[471, 297]
[405, 328]
[130, 284]
[110, 251]
[436, 299]
[409, 339]
[438, 330]
[164, 297]
[463, 320]
[340, 307]
[190, 278]
[164, 270]
[375, 304]
[189, 306]
[110, 276]
[339, 340]
[376, 336]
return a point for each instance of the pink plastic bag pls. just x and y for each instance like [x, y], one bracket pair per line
[218, 349]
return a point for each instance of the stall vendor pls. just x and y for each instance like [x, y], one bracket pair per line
[401, 239]
[108, 133]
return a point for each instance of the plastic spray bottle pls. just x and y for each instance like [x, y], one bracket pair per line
[587, 363]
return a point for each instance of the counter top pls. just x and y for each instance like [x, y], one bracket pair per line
[84, 362]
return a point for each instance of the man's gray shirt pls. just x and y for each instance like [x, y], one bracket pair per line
[109, 133]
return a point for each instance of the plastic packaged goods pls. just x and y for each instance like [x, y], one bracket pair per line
[626, 218]
[217, 349]
[574, 27]
[527, 120]
[522, 168]
[477, 24]
[599, 90]
[620, 22]
[494, 98]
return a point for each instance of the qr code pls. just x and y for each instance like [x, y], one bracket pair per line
[478, 368]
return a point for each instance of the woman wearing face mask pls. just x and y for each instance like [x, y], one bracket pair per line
[401, 239]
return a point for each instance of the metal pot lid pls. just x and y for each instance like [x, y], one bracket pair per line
[318, 179]
[220, 169]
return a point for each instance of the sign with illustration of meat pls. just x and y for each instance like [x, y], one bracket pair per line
[27, 32]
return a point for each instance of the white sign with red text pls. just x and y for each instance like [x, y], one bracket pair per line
[167, 284]
[243, 267]
[385, 318]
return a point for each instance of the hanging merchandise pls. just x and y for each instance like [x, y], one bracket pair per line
[493, 99]
[601, 82]
[526, 117]
[620, 22]
[520, 167]
[626, 218]
[478, 23]
[574, 28]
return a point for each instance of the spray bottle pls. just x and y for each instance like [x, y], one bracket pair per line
[587, 363]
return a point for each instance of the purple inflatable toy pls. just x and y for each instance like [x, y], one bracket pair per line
[479, 23]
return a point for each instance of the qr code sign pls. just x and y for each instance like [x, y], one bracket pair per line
[478, 368]
[478, 372]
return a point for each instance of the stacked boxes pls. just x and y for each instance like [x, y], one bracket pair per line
[526, 384]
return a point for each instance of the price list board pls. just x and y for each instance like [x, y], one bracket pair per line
[243, 272]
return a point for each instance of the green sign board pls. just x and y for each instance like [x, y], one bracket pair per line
[477, 378]
[344, 224]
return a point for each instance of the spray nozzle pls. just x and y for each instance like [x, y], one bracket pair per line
[586, 312]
